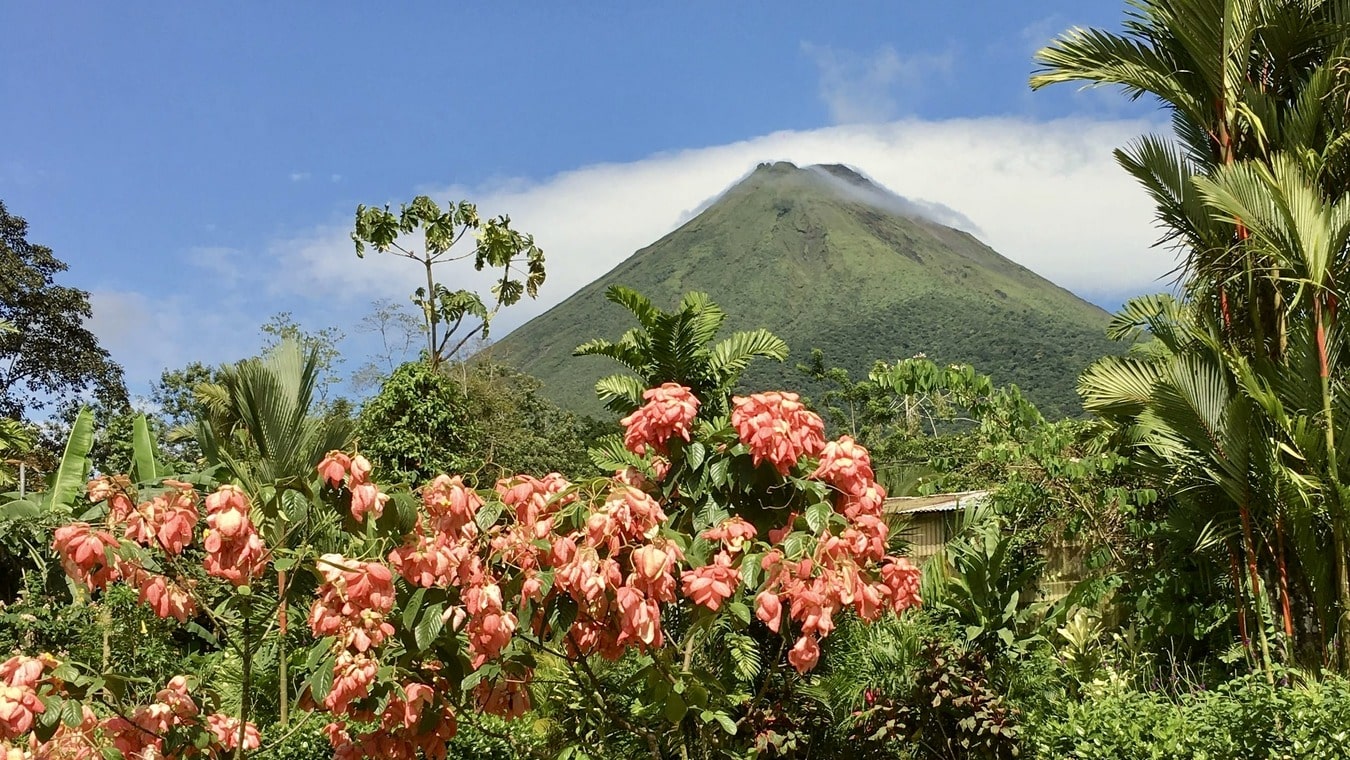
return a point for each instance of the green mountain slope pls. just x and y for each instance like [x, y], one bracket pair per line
[826, 259]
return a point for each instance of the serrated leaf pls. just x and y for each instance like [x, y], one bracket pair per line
[322, 681]
[694, 454]
[414, 606]
[429, 627]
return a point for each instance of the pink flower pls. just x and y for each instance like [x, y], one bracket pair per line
[100, 489]
[734, 533]
[353, 602]
[234, 551]
[23, 671]
[805, 653]
[18, 706]
[845, 465]
[670, 411]
[777, 428]
[333, 468]
[352, 677]
[367, 498]
[166, 521]
[867, 502]
[711, 584]
[640, 618]
[451, 505]
[769, 610]
[85, 554]
[165, 597]
[360, 469]
[238, 561]
[226, 731]
[654, 569]
[902, 583]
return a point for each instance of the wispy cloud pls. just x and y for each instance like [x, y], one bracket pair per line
[876, 87]
[223, 264]
[1046, 194]
[299, 176]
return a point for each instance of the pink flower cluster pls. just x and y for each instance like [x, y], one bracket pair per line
[777, 428]
[19, 701]
[354, 600]
[234, 550]
[337, 468]
[138, 734]
[670, 411]
[87, 555]
[165, 522]
[397, 736]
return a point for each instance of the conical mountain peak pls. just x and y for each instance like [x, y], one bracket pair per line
[827, 258]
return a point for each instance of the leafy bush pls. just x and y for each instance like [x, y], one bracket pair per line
[1244, 718]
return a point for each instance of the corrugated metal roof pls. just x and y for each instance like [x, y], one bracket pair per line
[940, 502]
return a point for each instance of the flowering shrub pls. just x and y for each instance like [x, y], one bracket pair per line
[751, 528]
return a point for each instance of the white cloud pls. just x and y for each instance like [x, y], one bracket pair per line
[299, 176]
[865, 88]
[1046, 194]
[220, 262]
[146, 335]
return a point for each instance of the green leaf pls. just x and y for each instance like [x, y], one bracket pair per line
[429, 627]
[19, 508]
[717, 473]
[413, 606]
[322, 681]
[694, 454]
[818, 516]
[71, 714]
[726, 723]
[143, 468]
[488, 515]
[68, 481]
[674, 708]
[741, 611]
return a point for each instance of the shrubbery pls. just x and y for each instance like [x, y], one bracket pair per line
[1244, 718]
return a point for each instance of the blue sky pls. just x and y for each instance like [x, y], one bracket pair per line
[197, 165]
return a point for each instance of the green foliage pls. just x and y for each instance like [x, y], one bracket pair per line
[989, 592]
[16, 441]
[261, 420]
[780, 251]
[951, 712]
[497, 246]
[417, 425]
[483, 419]
[677, 347]
[116, 633]
[1245, 718]
[282, 327]
[306, 743]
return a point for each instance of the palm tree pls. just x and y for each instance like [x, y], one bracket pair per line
[677, 347]
[1243, 80]
[1257, 435]
[261, 425]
